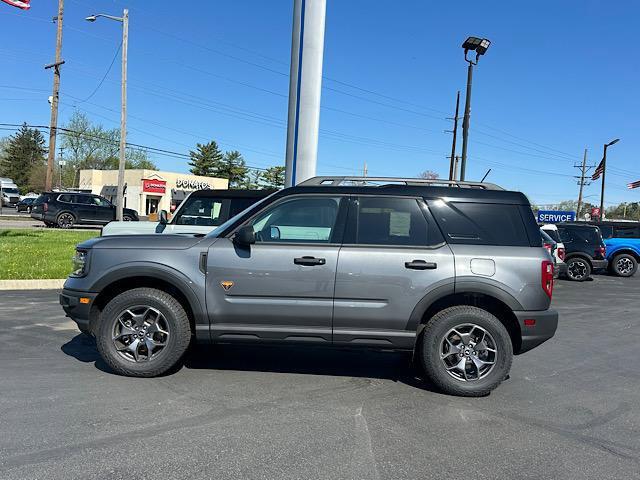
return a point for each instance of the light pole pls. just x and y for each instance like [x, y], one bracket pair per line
[480, 46]
[123, 108]
[604, 171]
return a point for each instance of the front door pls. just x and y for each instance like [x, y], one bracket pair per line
[393, 256]
[281, 287]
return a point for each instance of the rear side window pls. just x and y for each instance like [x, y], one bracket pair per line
[392, 221]
[626, 232]
[480, 223]
[553, 234]
[581, 234]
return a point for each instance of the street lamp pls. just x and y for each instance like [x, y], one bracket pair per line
[480, 46]
[604, 170]
[123, 109]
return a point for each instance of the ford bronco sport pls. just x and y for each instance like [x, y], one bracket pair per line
[453, 271]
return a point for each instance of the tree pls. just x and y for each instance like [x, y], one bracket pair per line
[206, 159]
[22, 152]
[429, 175]
[87, 145]
[273, 177]
[234, 168]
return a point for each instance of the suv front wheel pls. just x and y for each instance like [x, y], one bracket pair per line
[143, 332]
[624, 265]
[466, 351]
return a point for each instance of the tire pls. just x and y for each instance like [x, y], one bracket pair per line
[65, 220]
[624, 265]
[133, 359]
[578, 269]
[470, 322]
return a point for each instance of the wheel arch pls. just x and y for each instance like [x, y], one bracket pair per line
[167, 281]
[626, 250]
[488, 297]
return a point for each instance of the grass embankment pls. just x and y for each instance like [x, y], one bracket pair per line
[34, 254]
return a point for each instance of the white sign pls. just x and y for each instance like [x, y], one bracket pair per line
[192, 184]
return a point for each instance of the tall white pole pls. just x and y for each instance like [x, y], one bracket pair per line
[305, 84]
[123, 117]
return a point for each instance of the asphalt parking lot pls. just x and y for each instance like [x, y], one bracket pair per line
[570, 410]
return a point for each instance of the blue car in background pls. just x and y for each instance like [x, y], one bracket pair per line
[623, 246]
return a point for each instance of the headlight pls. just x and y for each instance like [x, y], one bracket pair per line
[79, 263]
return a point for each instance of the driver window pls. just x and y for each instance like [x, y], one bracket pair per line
[309, 220]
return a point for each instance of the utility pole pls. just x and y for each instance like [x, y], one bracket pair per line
[123, 116]
[364, 170]
[604, 172]
[455, 167]
[582, 182]
[455, 134]
[53, 124]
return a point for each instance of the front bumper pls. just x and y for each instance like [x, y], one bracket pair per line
[599, 264]
[545, 323]
[76, 309]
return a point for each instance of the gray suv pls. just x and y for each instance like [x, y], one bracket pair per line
[452, 271]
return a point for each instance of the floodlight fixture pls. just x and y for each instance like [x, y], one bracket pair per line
[612, 142]
[475, 44]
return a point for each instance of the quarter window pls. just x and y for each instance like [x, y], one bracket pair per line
[309, 220]
[392, 221]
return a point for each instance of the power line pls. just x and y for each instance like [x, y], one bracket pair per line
[105, 75]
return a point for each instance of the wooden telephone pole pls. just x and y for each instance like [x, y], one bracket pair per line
[53, 125]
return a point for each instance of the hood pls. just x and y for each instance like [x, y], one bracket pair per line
[143, 242]
[128, 210]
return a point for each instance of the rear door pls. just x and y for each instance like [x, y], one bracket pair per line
[83, 207]
[392, 257]
[281, 287]
[104, 210]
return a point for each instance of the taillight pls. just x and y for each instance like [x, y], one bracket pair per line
[45, 207]
[561, 253]
[602, 251]
[548, 246]
[547, 277]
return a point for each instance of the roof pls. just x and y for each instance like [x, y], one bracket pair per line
[462, 193]
[232, 193]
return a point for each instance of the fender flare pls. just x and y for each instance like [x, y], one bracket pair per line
[463, 286]
[162, 272]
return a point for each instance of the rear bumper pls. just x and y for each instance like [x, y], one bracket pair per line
[543, 328]
[77, 311]
[599, 264]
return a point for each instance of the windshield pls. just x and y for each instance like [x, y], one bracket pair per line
[215, 232]
[10, 190]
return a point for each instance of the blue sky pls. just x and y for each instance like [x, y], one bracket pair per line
[558, 78]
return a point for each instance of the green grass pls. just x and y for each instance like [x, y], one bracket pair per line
[35, 254]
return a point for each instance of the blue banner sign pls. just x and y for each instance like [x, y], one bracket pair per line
[555, 216]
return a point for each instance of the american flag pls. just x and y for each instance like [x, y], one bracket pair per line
[23, 4]
[598, 171]
[633, 185]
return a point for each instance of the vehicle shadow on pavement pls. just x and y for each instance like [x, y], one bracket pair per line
[362, 363]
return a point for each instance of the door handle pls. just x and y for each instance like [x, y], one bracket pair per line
[309, 261]
[420, 265]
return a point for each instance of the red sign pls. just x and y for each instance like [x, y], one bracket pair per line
[595, 212]
[154, 186]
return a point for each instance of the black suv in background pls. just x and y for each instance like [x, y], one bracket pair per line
[66, 209]
[585, 250]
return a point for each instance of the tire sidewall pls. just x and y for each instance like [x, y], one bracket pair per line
[630, 257]
[578, 260]
[433, 335]
[169, 355]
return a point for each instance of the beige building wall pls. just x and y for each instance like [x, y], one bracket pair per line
[135, 197]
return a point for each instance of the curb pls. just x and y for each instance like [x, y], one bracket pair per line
[38, 284]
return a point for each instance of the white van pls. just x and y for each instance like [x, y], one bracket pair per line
[9, 194]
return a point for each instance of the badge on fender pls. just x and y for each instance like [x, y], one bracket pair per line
[226, 285]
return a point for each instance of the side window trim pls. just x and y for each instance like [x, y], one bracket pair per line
[339, 226]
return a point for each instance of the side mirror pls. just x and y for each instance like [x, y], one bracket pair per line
[245, 236]
[162, 217]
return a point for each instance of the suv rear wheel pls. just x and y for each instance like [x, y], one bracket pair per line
[624, 265]
[466, 351]
[143, 332]
[578, 269]
[65, 220]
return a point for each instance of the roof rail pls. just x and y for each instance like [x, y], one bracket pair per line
[379, 181]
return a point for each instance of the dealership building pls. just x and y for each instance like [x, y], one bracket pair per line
[148, 191]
